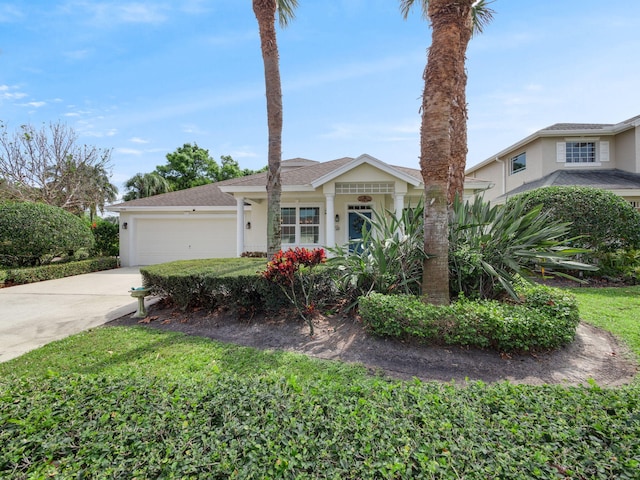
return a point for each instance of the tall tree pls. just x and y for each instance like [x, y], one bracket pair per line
[48, 165]
[265, 12]
[189, 166]
[443, 132]
[143, 185]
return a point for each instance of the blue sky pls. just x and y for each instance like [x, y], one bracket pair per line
[144, 77]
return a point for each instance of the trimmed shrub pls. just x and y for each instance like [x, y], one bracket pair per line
[19, 276]
[230, 282]
[604, 221]
[546, 318]
[35, 233]
[233, 283]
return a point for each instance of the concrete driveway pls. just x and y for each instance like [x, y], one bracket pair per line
[36, 314]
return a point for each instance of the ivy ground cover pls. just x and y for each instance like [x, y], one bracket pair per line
[137, 403]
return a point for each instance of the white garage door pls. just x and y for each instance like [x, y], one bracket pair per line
[165, 240]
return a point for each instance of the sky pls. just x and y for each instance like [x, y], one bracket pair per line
[142, 78]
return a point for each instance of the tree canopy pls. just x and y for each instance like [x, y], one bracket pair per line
[188, 166]
[47, 165]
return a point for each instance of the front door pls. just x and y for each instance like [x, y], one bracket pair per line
[356, 224]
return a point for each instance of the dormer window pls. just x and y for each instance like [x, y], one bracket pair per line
[518, 163]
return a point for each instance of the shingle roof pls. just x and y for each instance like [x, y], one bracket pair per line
[202, 196]
[579, 126]
[612, 179]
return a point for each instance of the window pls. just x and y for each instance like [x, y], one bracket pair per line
[300, 225]
[519, 163]
[580, 152]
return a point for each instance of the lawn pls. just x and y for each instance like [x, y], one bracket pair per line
[140, 403]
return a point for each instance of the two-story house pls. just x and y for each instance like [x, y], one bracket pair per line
[598, 155]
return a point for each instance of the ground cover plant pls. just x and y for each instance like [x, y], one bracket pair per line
[139, 403]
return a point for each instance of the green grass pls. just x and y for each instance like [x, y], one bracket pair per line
[615, 309]
[140, 403]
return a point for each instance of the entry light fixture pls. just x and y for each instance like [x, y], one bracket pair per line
[124, 226]
[337, 218]
[248, 225]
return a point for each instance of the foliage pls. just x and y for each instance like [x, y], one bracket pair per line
[36, 233]
[106, 233]
[388, 258]
[131, 402]
[143, 185]
[620, 264]
[292, 271]
[599, 219]
[188, 166]
[232, 283]
[546, 318]
[19, 276]
[490, 246]
[48, 166]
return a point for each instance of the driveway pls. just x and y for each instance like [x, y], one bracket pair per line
[35, 314]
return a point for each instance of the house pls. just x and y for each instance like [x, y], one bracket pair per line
[599, 155]
[320, 203]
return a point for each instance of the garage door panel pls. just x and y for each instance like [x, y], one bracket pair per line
[165, 240]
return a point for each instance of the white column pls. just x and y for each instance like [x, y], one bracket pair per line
[330, 224]
[240, 225]
[398, 204]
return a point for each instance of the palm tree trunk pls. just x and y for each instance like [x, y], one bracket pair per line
[439, 119]
[459, 147]
[265, 12]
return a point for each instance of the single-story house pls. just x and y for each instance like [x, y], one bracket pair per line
[599, 155]
[319, 202]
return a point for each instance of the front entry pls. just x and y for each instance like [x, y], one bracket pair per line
[356, 223]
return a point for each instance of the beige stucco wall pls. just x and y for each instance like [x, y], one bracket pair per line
[626, 151]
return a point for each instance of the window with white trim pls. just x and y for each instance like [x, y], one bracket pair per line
[300, 225]
[580, 152]
[518, 163]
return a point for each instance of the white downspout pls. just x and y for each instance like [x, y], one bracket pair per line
[504, 175]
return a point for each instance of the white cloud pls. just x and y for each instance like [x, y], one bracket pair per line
[35, 104]
[9, 93]
[138, 140]
[9, 13]
[129, 151]
[78, 54]
[107, 14]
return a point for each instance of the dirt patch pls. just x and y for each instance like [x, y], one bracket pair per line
[594, 354]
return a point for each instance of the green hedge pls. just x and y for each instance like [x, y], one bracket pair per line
[19, 276]
[546, 318]
[212, 283]
[35, 233]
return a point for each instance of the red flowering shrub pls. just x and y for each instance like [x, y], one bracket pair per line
[289, 270]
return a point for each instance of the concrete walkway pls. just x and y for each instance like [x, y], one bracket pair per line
[35, 314]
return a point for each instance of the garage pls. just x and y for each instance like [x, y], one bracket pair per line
[159, 240]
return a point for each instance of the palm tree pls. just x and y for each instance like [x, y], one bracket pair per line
[443, 132]
[265, 12]
[143, 185]
[100, 192]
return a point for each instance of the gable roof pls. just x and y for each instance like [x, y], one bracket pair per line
[612, 179]
[564, 129]
[297, 174]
